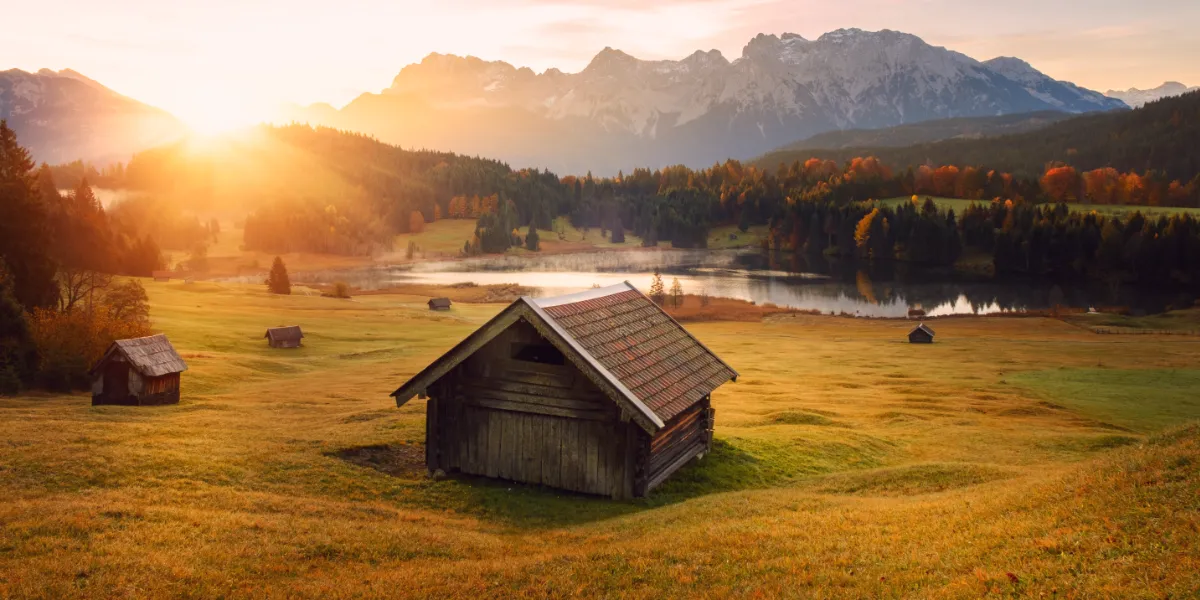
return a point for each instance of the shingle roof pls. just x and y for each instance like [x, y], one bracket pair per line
[152, 356]
[922, 327]
[644, 359]
[439, 303]
[653, 356]
[290, 333]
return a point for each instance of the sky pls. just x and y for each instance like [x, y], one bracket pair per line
[234, 62]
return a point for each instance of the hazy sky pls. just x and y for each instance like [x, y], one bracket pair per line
[238, 59]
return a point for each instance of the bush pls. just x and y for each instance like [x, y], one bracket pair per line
[340, 290]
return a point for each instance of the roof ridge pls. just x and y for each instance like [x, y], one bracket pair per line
[590, 294]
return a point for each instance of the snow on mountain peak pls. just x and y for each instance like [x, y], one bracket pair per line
[1135, 97]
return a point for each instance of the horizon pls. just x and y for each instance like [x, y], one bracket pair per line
[221, 65]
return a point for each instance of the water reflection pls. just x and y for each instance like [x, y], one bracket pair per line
[803, 282]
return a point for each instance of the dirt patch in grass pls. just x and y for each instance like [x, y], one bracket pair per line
[909, 481]
[401, 460]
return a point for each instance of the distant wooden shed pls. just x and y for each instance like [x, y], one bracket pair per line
[598, 392]
[439, 304]
[139, 371]
[921, 334]
[284, 337]
[161, 275]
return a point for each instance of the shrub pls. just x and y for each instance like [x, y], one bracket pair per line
[340, 289]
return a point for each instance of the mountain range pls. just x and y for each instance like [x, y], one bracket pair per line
[1135, 97]
[63, 116]
[620, 111]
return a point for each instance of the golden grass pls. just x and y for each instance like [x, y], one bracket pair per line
[847, 464]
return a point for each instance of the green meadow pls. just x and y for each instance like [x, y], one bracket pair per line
[1009, 459]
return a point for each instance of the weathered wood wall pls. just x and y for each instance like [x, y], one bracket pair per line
[686, 436]
[498, 416]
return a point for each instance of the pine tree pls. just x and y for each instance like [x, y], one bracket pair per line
[531, 239]
[277, 281]
[656, 288]
[618, 231]
[24, 235]
[676, 293]
[18, 356]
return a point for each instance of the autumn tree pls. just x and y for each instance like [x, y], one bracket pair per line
[278, 281]
[1061, 184]
[416, 222]
[657, 292]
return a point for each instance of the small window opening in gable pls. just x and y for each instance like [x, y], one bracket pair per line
[538, 352]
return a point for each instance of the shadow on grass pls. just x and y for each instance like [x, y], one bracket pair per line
[732, 465]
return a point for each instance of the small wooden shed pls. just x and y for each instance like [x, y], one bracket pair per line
[598, 392]
[284, 336]
[161, 275]
[439, 304]
[138, 372]
[921, 334]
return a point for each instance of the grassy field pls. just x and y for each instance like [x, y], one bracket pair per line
[1013, 458]
[960, 205]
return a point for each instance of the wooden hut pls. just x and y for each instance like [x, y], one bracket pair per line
[161, 275]
[598, 392]
[921, 334]
[284, 337]
[439, 304]
[140, 371]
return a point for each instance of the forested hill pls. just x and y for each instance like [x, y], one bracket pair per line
[1160, 136]
[323, 190]
[929, 131]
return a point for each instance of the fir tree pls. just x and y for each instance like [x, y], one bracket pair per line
[656, 288]
[24, 235]
[18, 356]
[531, 239]
[277, 281]
[676, 293]
[618, 231]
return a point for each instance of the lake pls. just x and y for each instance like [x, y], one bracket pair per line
[808, 283]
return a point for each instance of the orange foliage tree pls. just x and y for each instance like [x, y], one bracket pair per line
[416, 222]
[1061, 184]
[70, 342]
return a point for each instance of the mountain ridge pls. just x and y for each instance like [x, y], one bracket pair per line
[620, 111]
[1135, 97]
[62, 116]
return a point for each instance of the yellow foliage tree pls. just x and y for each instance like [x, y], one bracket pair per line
[862, 231]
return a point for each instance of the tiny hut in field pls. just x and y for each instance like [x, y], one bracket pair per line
[284, 337]
[137, 372]
[439, 304]
[598, 392]
[161, 275]
[921, 334]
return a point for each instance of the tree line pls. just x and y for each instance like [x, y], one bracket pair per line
[1158, 137]
[60, 306]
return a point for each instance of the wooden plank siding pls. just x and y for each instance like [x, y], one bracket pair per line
[685, 437]
[498, 416]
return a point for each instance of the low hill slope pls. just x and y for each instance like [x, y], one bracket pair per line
[1160, 136]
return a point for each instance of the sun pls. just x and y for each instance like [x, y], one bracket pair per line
[215, 115]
